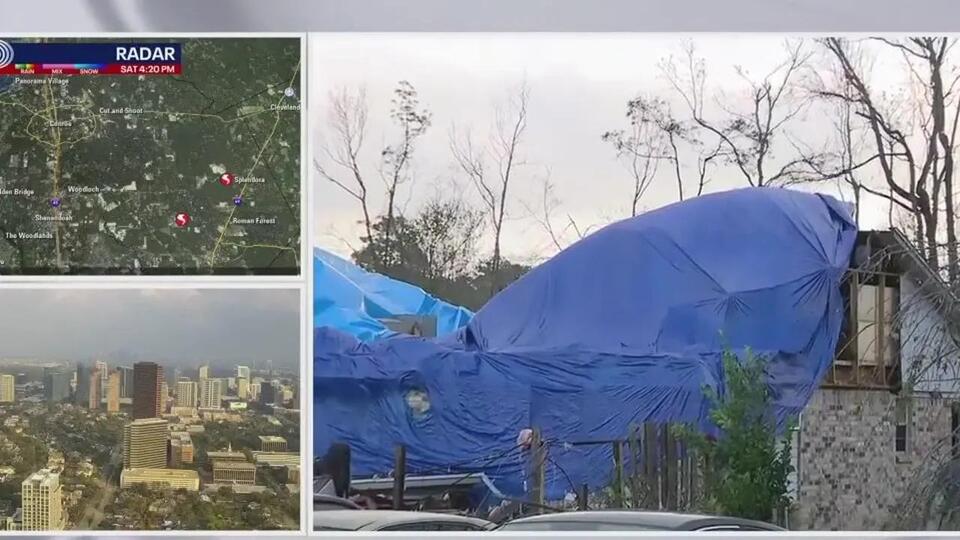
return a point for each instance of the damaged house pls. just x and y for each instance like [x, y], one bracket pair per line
[875, 446]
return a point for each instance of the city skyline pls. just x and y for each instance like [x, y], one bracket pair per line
[217, 327]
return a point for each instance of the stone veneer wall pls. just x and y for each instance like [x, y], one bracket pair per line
[850, 476]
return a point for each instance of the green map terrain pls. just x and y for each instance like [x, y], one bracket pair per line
[125, 154]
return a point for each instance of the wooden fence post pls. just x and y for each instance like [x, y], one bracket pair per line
[399, 476]
[618, 474]
[670, 471]
[651, 469]
[538, 470]
[634, 468]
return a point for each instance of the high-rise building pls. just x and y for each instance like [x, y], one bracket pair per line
[147, 380]
[243, 372]
[56, 385]
[81, 396]
[232, 383]
[113, 392]
[254, 391]
[93, 403]
[272, 443]
[186, 394]
[104, 371]
[8, 388]
[268, 393]
[204, 372]
[243, 388]
[41, 498]
[234, 472]
[181, 449]
[126, 381]
[164, 395]
[145, 444]
[210, 393]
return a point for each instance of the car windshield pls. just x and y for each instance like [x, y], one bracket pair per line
[551, 525]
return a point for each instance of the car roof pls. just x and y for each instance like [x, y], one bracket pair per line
[354, 520]
[335, 502]
[658, 520]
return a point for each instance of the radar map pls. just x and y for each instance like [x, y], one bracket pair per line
[150, 156]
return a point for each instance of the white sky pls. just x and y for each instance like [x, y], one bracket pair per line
[579, 86]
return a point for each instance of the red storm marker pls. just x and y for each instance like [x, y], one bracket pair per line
[227, 179]
[182, 219]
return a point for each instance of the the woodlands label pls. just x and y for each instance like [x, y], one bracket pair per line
[193, 168]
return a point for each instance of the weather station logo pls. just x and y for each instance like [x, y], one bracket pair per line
[6, 54]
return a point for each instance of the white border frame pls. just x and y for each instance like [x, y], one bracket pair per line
[303, 282]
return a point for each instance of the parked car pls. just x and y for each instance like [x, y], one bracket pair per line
[395, 520]
[625, 520]
[330, 502]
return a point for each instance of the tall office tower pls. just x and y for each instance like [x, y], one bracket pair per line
[102, 367]
[232, 383]
[147, 378]
[95, 396]
[204, 372]
[186, 394]
[255, 391]
[113, 392]
[56, 385]
[243, 388]
[81, 396]
[210, 392]
[8, 388]
[126, 381]
[268, 393]
[41, 500]
[145, 444]
[243, 372]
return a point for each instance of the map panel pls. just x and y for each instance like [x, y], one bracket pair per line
[176, 156]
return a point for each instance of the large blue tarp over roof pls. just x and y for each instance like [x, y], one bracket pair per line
[626, 326]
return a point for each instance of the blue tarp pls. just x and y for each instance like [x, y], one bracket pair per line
[625, 326]
[353, 300]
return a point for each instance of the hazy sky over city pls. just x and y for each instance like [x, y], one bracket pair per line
[579, 86]
[174, 326]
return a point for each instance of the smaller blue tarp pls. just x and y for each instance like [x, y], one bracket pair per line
[352, 300]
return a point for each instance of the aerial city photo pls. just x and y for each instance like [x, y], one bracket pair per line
[149, 409]
[150, 156]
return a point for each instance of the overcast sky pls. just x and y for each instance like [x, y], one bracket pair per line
[579, 86]
[172, 326]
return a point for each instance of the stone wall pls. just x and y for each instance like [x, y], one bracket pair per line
[849, 475]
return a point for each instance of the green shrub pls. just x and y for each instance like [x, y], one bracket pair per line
[749, 464]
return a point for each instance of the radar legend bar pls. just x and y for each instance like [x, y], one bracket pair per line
[59, 58]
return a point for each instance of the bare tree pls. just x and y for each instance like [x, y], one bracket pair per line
[645, 144]
[503, 151]
[655, 135]
[747, 137]
[347, 121]
[917, 169]
[543, 215]
[413, 122]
